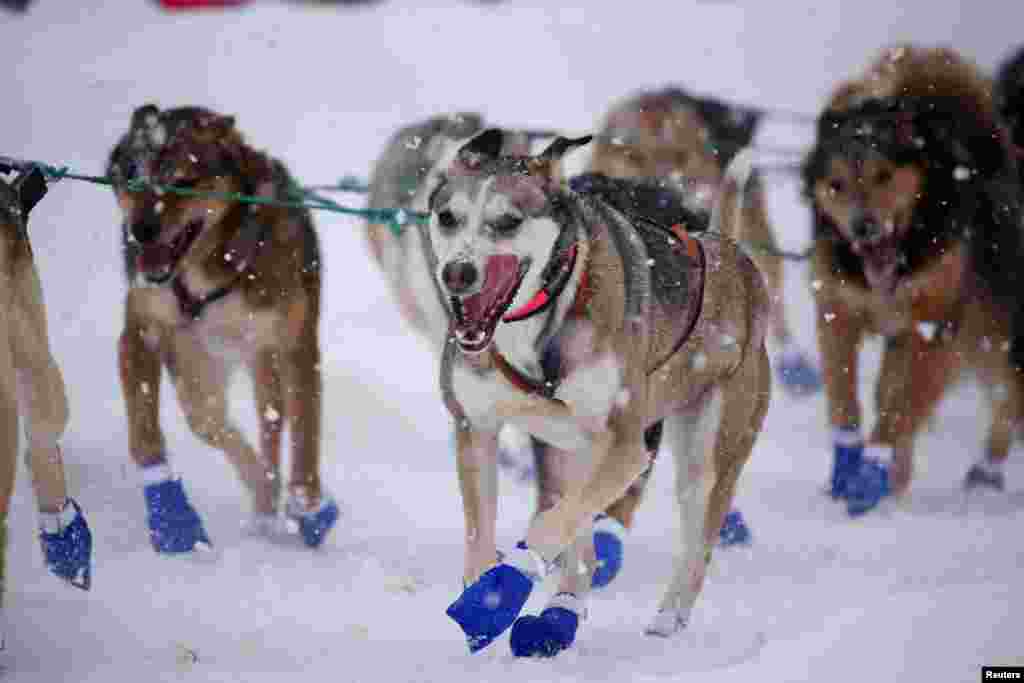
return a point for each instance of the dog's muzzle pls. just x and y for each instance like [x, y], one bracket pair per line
[475, 316]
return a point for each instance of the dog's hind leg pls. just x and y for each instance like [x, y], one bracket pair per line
[742, 214]
[1004, 396]
[721, 433]
[611, 527]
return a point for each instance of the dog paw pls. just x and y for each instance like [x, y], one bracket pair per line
[609, 547]
[67, 545]
[545, 635]
[797, 373]
[867, 487]
[666, 623]
[489, 606]
[174, 525]
[316, 523]
[734, 531]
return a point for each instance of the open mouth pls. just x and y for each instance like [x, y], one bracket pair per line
[157, 261]
[880, 261]
[477, 315]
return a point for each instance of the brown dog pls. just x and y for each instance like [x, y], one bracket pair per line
[213, 281]
[31, 386]
[917, 216]
[645, 323]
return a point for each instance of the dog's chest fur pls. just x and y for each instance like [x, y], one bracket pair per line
[931, 295]
[229, 329]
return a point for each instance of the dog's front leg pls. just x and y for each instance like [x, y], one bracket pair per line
[619, 458]
[493, 595]
[139, 364]
[914, 375]
[554, 629]
[42, 398]
[8, 455]
[476, 457]
[270, 408]
[315, 510]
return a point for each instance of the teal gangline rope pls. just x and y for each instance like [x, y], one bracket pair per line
[309, 197]
[302, 197]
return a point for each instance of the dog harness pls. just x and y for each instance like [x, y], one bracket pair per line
[683, 244]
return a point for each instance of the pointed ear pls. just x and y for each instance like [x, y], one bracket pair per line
[30, 187]
[562, 146]
[545, 163]
[145, 116]
[732, 125]
[484, 147]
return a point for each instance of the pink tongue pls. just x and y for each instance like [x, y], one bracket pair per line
[500, 275]
[880, 269]
[155, 257]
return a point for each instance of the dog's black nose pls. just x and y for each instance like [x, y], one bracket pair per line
[865, 227]
[146, 228]
[459, 276]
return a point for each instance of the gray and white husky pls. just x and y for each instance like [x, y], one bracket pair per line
[583, 323]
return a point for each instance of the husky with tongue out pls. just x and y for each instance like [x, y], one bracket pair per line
[916, 206]
[584, 324]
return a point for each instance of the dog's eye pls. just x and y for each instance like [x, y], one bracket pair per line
[883, 177]
[836, 186]
[507, 224]
[447, 220]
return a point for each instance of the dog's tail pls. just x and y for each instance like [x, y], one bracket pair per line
[735, 183]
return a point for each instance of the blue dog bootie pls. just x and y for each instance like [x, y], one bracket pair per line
[67, 544]
[861, 482]
[609, 547]
[866, 489]
[848, 450]
[174, 525]
[491, 604]
[734, 530]
[316, 522]
[796, 372]
[551, 632]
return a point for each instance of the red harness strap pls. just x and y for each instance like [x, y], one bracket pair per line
[688, 241]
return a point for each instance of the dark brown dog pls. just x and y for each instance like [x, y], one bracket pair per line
[917, 216]
[214, 281]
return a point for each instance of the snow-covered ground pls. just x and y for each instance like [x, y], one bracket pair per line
[930, 591]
